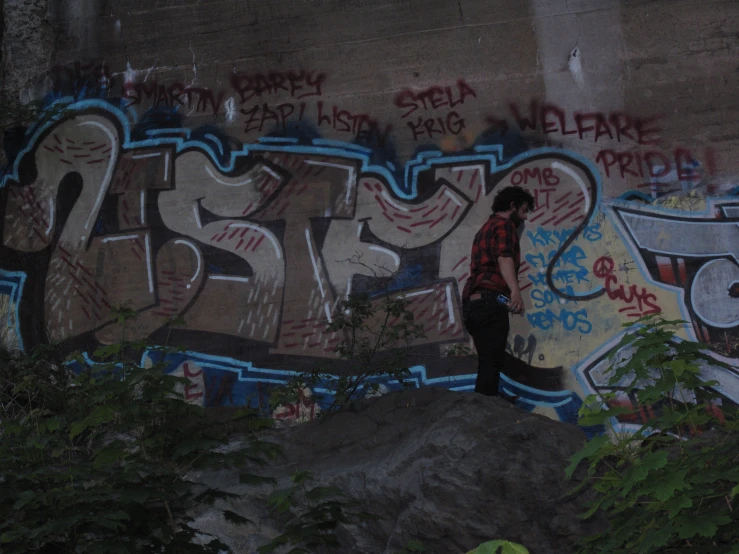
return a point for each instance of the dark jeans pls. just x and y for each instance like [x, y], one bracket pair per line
[487, 322]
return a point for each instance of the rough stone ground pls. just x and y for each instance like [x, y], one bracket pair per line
[449, 469]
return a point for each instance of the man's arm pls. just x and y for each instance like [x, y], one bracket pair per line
[508, 270]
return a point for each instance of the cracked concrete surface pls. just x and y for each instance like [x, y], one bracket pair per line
[27, 47]
[37, 34]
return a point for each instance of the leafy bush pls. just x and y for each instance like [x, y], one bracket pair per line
[105, 460]
[314, 514]
[411, 547]
[671, 485]
[499, 547]
[373, 350]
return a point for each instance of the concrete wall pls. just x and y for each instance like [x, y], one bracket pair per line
[229, 158]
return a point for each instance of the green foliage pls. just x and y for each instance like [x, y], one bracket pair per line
[459, 350]
[411, 547]
[670, 486]
[373, 348]
[499, 547]
[106, 460]
[313, 515]
[14, 113]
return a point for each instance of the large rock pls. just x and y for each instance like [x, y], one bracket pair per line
[449, 469]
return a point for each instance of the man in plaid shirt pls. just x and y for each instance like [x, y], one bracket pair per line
[496, 258]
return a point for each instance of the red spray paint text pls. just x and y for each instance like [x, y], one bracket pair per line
[549, 118]
[172, 96]
[652, 164]
[638, 302]
[297, 84]
[434, 98]
[363, 126]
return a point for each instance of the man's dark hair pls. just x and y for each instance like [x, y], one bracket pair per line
[512, 195]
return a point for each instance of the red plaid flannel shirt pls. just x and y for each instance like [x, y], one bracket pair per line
[496, 238]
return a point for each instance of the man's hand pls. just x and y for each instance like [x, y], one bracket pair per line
[508, 271]
[516, 305]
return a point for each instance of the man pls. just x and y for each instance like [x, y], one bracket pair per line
[495, 261]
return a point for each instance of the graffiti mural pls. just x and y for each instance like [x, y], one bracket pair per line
[253, 246]
[697, 254]
[594, 379]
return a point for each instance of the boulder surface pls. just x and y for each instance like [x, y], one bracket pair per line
[449, 469]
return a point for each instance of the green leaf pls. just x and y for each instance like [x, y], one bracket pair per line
[119, 515]
[13, 535]
[99, 416]
[233, 517]
[595, 506]
[123, 313]
[655, 539]
[513, 548]
[300, 477]
[691, 525]
[209, 496]
[38, 441]
[114, 452]
[499, 547]
[280, 500]
[274, 544]
[57, 452]
[602, 415]
[113, 525]
[640, 471]
[194, 445]
[319, 493]
[108, 351]
[651, 393]
[24, 498]
[414, 546]
[681, 366]
[677, 503]
[53, 423]
[138, 495]
[251, 479]
[590, 448]
[490, 547]
[667, 485]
